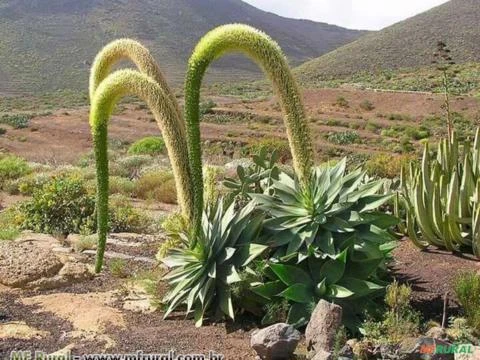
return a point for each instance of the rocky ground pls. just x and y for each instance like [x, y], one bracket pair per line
[51, 301]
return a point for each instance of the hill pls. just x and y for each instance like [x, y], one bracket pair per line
[407, 44]
[47, 45]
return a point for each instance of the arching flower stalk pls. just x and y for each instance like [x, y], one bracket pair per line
[165, 110]
[268, 55]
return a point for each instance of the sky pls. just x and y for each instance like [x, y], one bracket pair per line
[353, 14]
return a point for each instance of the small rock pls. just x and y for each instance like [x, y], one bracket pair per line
[323, 327]
[436, 332]
[275, 342]
[323, 355]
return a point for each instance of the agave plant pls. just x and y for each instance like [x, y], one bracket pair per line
[326, 213]
[202, 278]
[328, 239]
[441, 196]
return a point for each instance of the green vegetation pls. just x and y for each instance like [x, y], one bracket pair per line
[152, 145]
[387, 165]
[342, 102]
[149, 85]
[17, 121]
[61, 206]
[441, 196]
[12, 168]
[334, 214]
[158, 186]
[367, 105]
[268, 55]
[202, 277]
[270, 145]
[399, 321]
[467, 290]
[344, 138]
[119, 268]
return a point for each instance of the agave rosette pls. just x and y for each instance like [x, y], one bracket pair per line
[201, 278]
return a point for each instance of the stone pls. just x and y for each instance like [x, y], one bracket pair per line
[23, 262]
[323, 355]
[21, 331]
[323, 326]
[275, 342]
[436, 332]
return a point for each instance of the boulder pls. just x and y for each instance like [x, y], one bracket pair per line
[323, 327]
[22, 263]
[275, 342]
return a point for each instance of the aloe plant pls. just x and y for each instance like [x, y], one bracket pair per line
[202, 278]
[263, 50]
[441, 196]
[165, 110]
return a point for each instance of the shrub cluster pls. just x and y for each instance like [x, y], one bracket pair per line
[151, 145]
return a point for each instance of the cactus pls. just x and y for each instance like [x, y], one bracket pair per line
[263, 50]
[159, 99]
[442, 196]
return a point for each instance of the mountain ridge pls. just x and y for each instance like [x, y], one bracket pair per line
[48, 45]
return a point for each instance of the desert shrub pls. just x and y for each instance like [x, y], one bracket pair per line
[12, 167]
[344, 138]
[86, 242]
[206, 107]
[373, 127]
[151, 145]
[123, 217]
[61, 206]
[270, 145]
[119, 268]
[174, 225]
[28, 184]
[342, 102]
[399, 321]
[367, 105]
[3, 131]
[120, 185]
[158, 185]
[130, 166]
[467, 290]
[17, 121]
[386, 165]
[10, 221]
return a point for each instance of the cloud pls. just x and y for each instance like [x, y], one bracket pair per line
[356, 14]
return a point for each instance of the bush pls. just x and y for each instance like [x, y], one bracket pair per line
[151, 145]
[399, 322]
[342, 102]
[367, 105]
[130, 166]
[121, 185]
[467, 290]
[3, 131]
[17, 121]
[61, 206]
[207, 107]
[11, 168]
[158, 186]
[386, 165]
[270, 145]
[123, 217]
[344, 138]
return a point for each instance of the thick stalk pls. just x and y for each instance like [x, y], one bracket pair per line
[268, 55]
[110, 90]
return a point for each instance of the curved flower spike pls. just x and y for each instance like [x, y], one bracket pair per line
[268, 55]
[110, 90]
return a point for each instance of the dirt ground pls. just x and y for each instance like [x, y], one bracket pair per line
[64, 136]
[87, 318]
